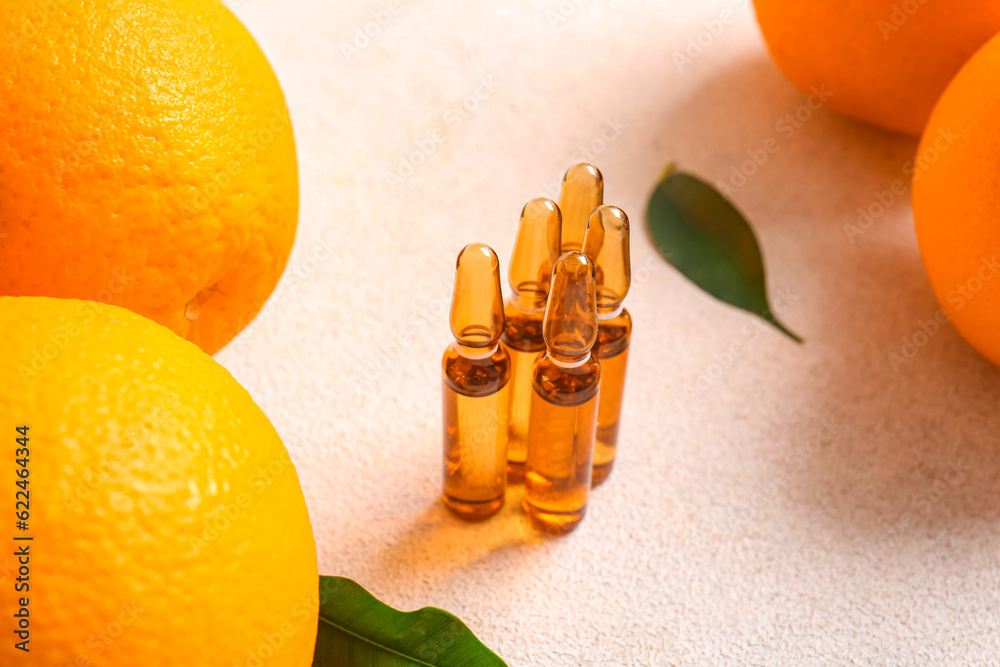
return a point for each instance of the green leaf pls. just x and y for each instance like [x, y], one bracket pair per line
[704, 237]
[356, 630]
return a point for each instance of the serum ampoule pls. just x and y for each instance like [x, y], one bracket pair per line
[607, 244]
[476, 370]
[536, 250]
[566, 384]
[582, 191]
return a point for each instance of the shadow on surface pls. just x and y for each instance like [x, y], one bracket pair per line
[918, 431]
[437, 545]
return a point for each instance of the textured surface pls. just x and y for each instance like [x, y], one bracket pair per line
[167, 519]
[797, 505]
[146, 160]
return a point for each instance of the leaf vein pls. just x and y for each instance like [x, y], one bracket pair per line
[375, 644]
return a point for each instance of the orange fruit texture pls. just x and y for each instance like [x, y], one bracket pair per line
[146, 159]
[882, 61]
[168, 525]
[956, 203]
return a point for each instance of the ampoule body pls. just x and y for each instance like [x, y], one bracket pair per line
[476, 374]
[607, 244]
[566, 384]
[536, 250]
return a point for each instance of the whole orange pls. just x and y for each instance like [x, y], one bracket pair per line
[146, 160]
[162, 522]
[883, 61]
[956, 202]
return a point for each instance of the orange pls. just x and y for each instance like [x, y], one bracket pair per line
[956, 202]
[883, 61]
[168, 524]
[146, 160]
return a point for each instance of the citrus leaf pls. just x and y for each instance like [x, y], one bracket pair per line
[703, 236]
[356, 630]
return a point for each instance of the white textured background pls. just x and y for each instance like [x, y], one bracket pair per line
[735, 529]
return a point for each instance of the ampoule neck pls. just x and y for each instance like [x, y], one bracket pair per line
[562, 361]
[605, 313]
[476, 352]
[527, 305]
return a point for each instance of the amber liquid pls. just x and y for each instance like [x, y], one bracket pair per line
[612, 350]
[523, 338]
[476, 409]
[561, 436]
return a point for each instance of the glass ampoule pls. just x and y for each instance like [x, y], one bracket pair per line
[566, 384]
[536, 250]
[475, 387]
[607, 244]
[582, 192]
